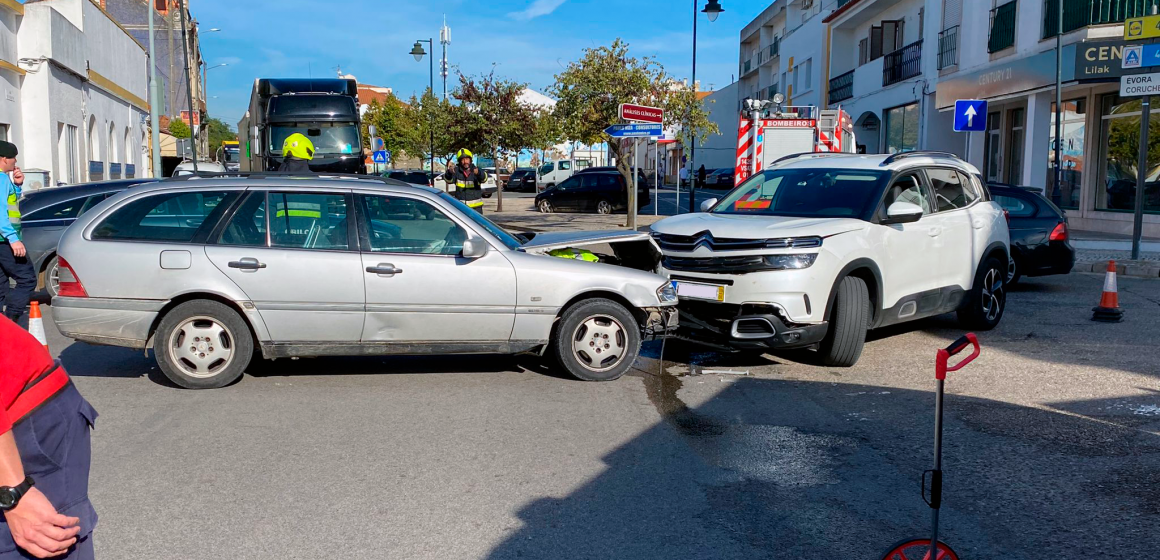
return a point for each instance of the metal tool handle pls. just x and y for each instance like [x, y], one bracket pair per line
[941, 368]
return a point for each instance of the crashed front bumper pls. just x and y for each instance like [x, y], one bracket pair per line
[660, 321]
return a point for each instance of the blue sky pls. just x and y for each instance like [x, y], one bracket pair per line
[529, 40]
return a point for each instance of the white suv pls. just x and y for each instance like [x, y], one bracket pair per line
[819, 248]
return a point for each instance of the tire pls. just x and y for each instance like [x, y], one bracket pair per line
[52, 277]
[1014, 271]
[596, 340]
[220, 352]
[545, 207]
[486, 195]
[843, 343]
[988, 297]
[603, 207]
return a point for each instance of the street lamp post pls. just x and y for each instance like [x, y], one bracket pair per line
[712, 9]
[418, 52]
[205, 92]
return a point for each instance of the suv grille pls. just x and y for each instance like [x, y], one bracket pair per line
[723, 265]
[689, 243]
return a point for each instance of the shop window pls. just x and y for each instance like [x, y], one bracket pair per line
[1119, 145]
[1072, 152]
[994, 143]
[902, 128]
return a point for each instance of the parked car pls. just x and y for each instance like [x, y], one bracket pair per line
[641, 177]
[210, 167]
[47, 212]
[523, 179]
[721, 179]
[502, 177]
[817, 249]
[601, 192]
[209, 272]
[1040, 241]
[417, 177]
[553, 172]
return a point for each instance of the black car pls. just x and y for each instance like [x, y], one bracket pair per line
[1040, 244]
[523, 179]
[602, 192]
[719, 179]
[412, 176]
[641, 178]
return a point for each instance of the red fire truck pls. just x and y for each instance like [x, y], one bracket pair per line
[766, 135]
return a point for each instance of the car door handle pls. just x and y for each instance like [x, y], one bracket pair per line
[386, 269]
[934, 231]
[247, 263]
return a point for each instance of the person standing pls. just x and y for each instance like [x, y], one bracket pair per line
[14, 261]
[468, 180]
[701, 177]
[45, 452]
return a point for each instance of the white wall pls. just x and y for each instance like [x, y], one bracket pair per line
[9, 80]
[720, 150]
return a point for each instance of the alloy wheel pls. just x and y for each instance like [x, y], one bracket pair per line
[1012, 270]
[599, 343]
[603, 207]
[201, 346]
[991, 298]
[545, 207]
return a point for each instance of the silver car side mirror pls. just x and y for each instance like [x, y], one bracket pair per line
[474, 248]
[708, 204]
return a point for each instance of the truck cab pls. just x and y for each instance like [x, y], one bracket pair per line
[556, 170]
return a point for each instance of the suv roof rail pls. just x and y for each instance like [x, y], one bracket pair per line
[917, 153]
[806, 154]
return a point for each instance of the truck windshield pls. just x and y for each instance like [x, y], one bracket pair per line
[232, 155]
[807, 193]
[329, 139]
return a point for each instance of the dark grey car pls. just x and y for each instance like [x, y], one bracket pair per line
[46, 214]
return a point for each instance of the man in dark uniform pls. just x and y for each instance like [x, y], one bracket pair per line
[468, 180]
[44, 470]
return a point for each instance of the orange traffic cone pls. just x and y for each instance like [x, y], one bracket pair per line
[36, 324]
[1109, 309]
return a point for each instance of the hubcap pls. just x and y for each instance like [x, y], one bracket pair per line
[545, 207]
[54, 277]
[992, 296]
[201, 347]
[604, 207]
[599, 343]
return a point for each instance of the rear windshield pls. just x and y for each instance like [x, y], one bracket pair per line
[807, 193]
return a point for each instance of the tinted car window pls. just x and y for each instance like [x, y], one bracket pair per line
[570, 183]
[93, 201]
[174, 217]
[950, 191]
[907, 188]
[248, 225]
[1017, 207]
[62, 211]
[608, 182]
[308, 221]
[589, 182]
[405, 225]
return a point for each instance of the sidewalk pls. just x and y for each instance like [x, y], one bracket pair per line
[1093, 250]
[520, 214]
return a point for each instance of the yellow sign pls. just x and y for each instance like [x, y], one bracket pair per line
[1142, 28]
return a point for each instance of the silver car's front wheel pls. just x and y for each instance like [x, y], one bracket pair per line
[598, 343]
[596, 339]
[203, 344]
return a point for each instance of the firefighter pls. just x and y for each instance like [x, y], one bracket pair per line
[297, 151]
[468, 180]
[44, 454]
[14, 261]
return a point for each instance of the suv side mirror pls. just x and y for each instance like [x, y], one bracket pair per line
[708, 204]
[474, 248]
[902, 213]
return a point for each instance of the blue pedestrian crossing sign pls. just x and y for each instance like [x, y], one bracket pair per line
[381, 156]
[970, 115]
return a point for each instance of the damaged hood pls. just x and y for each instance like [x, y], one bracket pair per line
[739, 226]
[544, 242]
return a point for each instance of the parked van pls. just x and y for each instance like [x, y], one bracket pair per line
[555, 171]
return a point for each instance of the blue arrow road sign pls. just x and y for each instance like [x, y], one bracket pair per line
[382, 156]
[634, 130]
[970, 115]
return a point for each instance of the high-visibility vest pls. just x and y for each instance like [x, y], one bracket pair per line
[14, 212]
[577, 254]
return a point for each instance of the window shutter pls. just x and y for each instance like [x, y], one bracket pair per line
[875, 42]
[952, 13]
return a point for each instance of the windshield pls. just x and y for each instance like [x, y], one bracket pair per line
[807, 193]
[329, 139]
[503, 236]
[232, 155]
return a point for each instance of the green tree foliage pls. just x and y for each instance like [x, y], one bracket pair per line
[178, 129]
[219, 131]
[395, 124]
[431, 114]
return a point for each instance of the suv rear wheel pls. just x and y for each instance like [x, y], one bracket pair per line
[203, 344]
[596, 340]
[848, 320]
[988, 297]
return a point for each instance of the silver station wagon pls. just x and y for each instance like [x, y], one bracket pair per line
[206, 271]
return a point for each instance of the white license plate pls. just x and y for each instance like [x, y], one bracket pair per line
[700, 291]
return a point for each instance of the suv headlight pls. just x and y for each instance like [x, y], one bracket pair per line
[791, 262]
[667, 293]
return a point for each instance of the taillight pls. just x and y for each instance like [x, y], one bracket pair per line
[1059, 233]
[1007, 216]
[70, 283]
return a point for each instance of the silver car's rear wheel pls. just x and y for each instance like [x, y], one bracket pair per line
[596, 339]
[52, 277]
[203, 344]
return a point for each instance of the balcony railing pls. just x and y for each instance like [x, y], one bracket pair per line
[774, 47]
[746, 67]
[1002, 27]
[948, 47]
[841, 87]
[902, 64]
[1081, 13]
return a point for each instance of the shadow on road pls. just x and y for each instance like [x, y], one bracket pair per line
[784, 469]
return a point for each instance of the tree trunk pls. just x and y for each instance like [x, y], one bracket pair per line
[625, 169]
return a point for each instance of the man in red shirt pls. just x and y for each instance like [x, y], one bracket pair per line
[44, 454]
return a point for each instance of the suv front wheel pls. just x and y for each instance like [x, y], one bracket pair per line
[596, 340]
[848, 320]
[202, 344]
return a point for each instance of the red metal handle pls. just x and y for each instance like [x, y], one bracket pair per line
[940, 364]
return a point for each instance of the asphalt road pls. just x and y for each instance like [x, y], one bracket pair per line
[1052, 451]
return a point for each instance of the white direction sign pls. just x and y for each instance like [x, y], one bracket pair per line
[1140, 84]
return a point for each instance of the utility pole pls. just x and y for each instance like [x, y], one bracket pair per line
[188, 84]
[154, 96]
[445, 40]
[1058, 191]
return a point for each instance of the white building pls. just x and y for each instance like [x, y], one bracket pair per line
[82, 93]
[11, 12]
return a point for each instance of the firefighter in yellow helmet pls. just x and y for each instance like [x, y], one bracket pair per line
[468, 180]
[297, 151]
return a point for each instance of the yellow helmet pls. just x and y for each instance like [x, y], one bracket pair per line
[463, 153]
[298, 146]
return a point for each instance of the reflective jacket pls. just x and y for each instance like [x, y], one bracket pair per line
[468, 183]
[10, 224]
